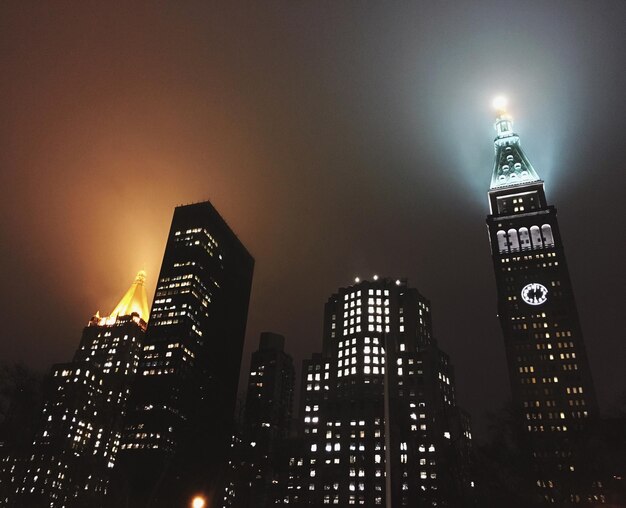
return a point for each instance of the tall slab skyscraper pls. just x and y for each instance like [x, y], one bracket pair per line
[179, 427]
[548, 368]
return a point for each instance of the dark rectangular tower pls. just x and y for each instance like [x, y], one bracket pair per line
[269, 399]
[266, 425]
[548, 368]
[179, 430]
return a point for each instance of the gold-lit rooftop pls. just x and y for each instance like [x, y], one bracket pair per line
[134, 301]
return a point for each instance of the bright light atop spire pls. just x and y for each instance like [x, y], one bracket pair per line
[500, 103]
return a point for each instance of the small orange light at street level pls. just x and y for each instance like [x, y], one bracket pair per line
[198, 502]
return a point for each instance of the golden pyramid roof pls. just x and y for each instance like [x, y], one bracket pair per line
[135, 300]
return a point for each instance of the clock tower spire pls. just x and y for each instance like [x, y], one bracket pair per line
[511, 166]
[549, 373]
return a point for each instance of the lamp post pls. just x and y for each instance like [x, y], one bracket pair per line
[387, 411]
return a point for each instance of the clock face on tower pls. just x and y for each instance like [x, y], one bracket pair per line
[534, 293]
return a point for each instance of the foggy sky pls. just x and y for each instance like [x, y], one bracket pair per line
[338, 139]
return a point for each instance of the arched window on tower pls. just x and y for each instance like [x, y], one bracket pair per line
[535, 235]
[546, 232]
[503, 245]
[513, 240]
[524, 238]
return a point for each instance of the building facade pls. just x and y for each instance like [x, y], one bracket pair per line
[379, 421]
[548, 369]
[266, 425]
[180, 420]
[75, 449]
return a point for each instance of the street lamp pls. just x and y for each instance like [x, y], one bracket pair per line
[198, 502]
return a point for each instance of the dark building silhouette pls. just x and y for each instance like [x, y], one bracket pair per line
[266, 425]
[379, 421]
[548, 368]
[180, 421]
[76, 445]
[269, 400]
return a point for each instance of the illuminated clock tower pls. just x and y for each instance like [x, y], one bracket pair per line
[548, 369]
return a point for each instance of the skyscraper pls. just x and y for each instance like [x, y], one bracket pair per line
[78, 440]
[269, 400]
[180, 423]
[266, 424]
[548, 368]
[380, 423]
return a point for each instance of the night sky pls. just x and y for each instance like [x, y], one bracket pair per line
[338, 139]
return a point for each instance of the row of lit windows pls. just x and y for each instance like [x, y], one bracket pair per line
[316, 387]
[370, 328]
[366, 370]
[173, 285]
[528, 258]
[176, 278]
[366, 340]
[316, 377]
[165, 322]
[525, 267]
[545, 380]
[108, 334]
[574, 389]
[537, 403]
[371, 292]
[158, 372]
[190, 234]
[185, 264]
[130, 446]
[552, 428]
[354, 307]
[558, 415]
[560, 345]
